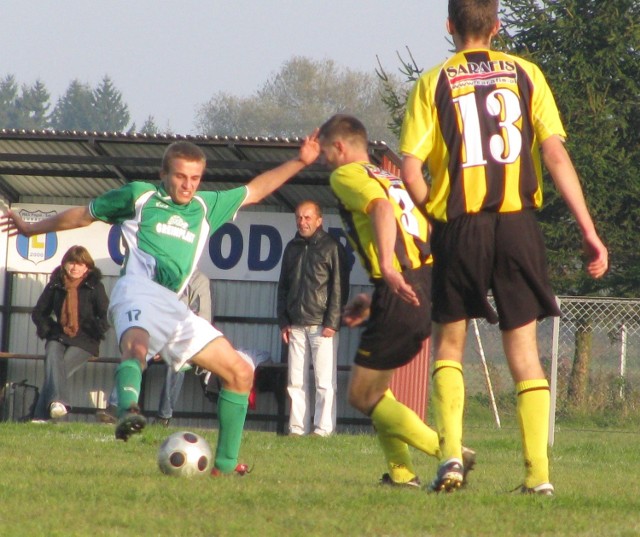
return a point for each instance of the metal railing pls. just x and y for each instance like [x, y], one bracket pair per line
[602, 334]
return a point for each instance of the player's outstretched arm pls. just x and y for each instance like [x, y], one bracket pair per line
[383, 221]
[266, 183]
[564, 176]
[70, 219]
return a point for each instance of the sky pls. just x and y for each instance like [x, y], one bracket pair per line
[168, 58]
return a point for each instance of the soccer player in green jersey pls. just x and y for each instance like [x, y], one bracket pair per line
[165, 229]
[390, 235]
[479, 122]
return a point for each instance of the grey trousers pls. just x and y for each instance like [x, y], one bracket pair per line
[61, 361]
[170, 393]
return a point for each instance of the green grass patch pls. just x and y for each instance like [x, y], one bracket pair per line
[74, 479]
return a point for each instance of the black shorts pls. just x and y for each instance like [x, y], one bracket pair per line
[501, 252]
[396, 330]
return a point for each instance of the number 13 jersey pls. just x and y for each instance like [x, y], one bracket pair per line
[478, 120]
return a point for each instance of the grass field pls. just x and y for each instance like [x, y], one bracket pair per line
[73, 479]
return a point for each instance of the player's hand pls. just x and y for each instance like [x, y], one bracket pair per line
[597, 255]
[284, 332]
[357, 311]
[310, 149]
[399, 286]
[13, 224]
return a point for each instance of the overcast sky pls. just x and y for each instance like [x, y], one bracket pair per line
[169, 57]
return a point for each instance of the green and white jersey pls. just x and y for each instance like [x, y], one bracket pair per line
[164, 240]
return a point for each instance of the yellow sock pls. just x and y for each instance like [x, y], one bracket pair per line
[397, 426]
[448, 406]
[396, 453]
[533, 415]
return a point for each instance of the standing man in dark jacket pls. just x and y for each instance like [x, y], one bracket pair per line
[71, 314]
[313, 288]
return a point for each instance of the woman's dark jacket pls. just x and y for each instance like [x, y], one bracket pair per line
[92, 312]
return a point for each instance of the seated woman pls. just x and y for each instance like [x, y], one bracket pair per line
[71, 314]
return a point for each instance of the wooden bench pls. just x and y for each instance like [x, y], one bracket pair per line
[270, 377]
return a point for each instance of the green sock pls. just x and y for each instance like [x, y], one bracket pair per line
[128, 382]
[232, 410]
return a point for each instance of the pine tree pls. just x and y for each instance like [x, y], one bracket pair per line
[111, 113]
[32, 106]
[8, 97]
[75, 110]
[589, 51]
[150, 126]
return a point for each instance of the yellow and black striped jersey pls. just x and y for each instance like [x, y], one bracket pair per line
[356, 185]
[478, 120]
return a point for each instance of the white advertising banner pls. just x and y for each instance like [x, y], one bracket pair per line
[249, 248]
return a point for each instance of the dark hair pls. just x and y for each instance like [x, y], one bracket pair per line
[473, 18]
[344, 126]
[314, 204]
[182, 150]
[78, 254]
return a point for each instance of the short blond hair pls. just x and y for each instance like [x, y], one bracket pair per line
[182, 150]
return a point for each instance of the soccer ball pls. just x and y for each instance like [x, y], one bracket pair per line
[185, 454]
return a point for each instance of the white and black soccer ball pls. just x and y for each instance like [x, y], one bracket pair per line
[185, 454]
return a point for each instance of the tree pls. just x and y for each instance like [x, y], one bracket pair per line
[100, 109]
[26, 109]
[8, 97]
[74, 110]
[589, 51]
[111, 113]
[298, 98]
[395, 97]
[32, 107]
[150, 126]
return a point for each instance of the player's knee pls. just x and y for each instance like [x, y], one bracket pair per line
[137, 352]
[365, 397]
[357, 401]
[242, 374]
[135, 344]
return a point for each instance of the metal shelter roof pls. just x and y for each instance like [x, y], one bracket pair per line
[81, 165]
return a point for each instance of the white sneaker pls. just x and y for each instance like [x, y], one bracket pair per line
[57, 410]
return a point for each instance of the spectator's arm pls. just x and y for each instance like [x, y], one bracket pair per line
[101, 305]
[335, 290]
[41, 314]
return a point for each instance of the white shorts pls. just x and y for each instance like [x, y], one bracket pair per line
[174, 330]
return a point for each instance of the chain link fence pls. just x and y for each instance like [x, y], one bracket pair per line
[593, 351]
